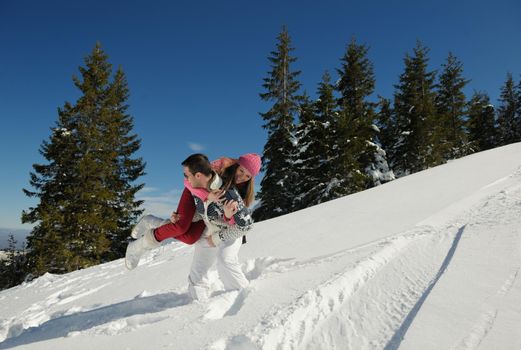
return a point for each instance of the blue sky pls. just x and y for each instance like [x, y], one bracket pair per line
[195, 68]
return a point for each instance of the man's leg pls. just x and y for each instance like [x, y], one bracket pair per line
[204, 258]
[229, 267]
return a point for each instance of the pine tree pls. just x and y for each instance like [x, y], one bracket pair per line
[519, 107]
[355, 85]
[386, 126]
[449, 135]
[277, 191]
[328, 182]
[307, 152]
[12, 267]
[509, 118]
[86, 190]
[386, 136]
[415, 115]
[317, 144]
[124, 169]
[482, 133]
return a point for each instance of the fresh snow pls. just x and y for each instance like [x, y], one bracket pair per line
[428, 261]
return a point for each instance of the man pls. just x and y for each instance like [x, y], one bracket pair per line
[225, 224]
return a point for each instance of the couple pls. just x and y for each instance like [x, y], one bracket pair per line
[213, 213]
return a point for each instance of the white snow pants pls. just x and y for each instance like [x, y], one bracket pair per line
[228, 267]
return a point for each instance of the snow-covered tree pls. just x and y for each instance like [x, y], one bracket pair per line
[324, 134]
[308, 153]
[355, 85]
[385, 123]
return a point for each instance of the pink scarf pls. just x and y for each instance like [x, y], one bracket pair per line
[199, 192]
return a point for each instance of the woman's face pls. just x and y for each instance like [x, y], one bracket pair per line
[242, 175]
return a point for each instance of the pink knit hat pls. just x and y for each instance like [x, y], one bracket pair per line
[252, 162]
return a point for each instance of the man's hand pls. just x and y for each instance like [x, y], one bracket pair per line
[230, 208]
[174, 217]
[210, 242]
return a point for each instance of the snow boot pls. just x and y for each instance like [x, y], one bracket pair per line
[145, 224]
[137, 248]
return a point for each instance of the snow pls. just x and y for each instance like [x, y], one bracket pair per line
[429, 261]
[63, 131]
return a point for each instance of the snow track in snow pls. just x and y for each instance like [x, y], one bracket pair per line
[296, 324]
[395, 341]
[364, 307]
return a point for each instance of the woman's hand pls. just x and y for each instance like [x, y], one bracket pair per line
[174, 217]
[230, 208]
[215, 196]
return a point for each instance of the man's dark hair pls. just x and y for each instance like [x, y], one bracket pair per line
[198, 163]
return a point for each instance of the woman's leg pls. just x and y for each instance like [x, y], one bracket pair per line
[184, 230]
[229, 267]
[186, 211]
[193, 234]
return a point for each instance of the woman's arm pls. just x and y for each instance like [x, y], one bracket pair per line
[222, 163]
[242, 220]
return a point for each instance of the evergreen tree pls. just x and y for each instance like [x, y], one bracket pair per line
[386, 137]
[482, 133]
[449, 134]
[327, 181]
[519, 107]
[355, 85]
[12, 266]
[86, 190]
[509, 118]
[277, 190]
[308, 154]
[386, 126]
[124, 169]
[415, 115]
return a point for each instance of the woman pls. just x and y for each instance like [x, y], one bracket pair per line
[186, 224]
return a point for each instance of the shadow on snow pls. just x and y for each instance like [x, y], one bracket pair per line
[61, 326]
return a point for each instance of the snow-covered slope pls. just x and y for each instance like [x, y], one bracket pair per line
[430, 261]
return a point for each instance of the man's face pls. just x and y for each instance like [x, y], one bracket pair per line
[194, 180]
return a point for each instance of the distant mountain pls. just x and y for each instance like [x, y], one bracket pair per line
[19, 235]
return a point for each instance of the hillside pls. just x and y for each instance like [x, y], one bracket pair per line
[429, 261]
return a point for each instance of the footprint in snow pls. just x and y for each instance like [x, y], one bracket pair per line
[226, 304]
